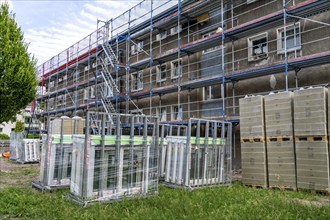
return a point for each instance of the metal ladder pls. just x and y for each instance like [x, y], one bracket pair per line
[109, 64]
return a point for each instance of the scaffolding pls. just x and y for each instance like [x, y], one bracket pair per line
[131, 57]
[188, 59]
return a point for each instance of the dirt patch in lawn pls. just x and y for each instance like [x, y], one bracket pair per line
[16, 174]
[318, 203]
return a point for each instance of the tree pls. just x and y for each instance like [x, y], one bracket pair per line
[19, 126]
[17, 67]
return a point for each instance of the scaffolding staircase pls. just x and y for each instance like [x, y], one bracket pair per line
[108, 63]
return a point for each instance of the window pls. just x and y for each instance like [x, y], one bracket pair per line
[176, 69]
[64, 100]
[89, 93]
[75, 100]
[258, 47]
[76, 76]
[85, 94]
[92, 92]
[176, 113]
[161, 36]
[136, 48]
[1, 130]
[51, 104]
[207, 93]
[161, 113]
[137, 120]
[60, 100]
[27, 120]
[51, 84]
[293, 39]
[161, 73]
[121, 56]
[137, 81]
[108, 92]
[176, 29]
[209, 34]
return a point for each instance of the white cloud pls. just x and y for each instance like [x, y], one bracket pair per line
[73, 24]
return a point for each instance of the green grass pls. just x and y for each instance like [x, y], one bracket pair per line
[236, 202]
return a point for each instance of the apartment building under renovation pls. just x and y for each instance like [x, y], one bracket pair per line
[189, 59]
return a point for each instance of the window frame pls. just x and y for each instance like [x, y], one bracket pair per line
[137, 48]
[108, 90]
[175, 115]
[209, 96]
[159, 73]
[212, 49]
[279, 31]
[86, 94]
[161, 114]
[139, 75]
[51, 84]
[161, 35]
[92, 92]
[51, 104]
[173, 70]
[256, 57]
[176, 29]
[137, 120]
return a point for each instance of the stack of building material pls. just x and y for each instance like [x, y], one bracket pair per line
[253, 145]
[312, 155]
[16, 139]
[29, 151]
[24, 150]
[56, 162]
[207, 164]
[56, 154]
[280, 143]
[113, 166]
[68, 126]
[165, 131]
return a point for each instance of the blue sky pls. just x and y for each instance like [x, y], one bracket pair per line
[53, 26]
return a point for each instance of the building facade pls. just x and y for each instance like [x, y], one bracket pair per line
[189, 59]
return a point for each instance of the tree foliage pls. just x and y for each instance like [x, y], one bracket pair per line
[17, 67]
[4, 137]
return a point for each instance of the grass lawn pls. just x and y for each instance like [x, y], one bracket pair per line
[19, 201]
[236, 202]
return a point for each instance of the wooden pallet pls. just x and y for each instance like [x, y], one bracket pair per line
[253, 140]
[279, 139]
[311, 138]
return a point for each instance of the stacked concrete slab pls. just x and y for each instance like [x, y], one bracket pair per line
[280, 143]
[254, 155]
[312, 153]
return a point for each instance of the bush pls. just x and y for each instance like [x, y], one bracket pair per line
[33, 136]
[19, 127]
[4, 137]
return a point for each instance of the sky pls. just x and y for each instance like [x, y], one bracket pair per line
[52, 26]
